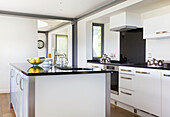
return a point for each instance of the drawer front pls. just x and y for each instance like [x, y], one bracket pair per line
[166, 74]
[93, 65]
[126, 70]
[126, 96]
[126, 81]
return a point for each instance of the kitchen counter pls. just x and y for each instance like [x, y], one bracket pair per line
[63, 90]
[25, 69]
[140, 65]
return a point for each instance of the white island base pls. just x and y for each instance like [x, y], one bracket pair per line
[68, 95]
[79, 95]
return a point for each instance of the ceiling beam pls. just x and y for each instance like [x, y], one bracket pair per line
[40, 16]
[98, 9]
[61, 25]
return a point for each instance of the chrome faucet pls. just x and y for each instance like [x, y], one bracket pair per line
[55, 55]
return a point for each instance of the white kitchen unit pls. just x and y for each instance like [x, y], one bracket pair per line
[60, 93]
[139, 90]
[19, 93]
[126, 85]
[157, 27]
[147, 85]
[165, 93]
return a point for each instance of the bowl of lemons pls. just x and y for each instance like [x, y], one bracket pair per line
[35, 69]
[35, 61]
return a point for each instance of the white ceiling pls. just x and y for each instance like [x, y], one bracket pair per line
[52, 24]
[141, 7]
[65, 8]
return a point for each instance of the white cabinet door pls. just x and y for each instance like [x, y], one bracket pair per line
[165, 93]
[16, 101]
[12, 87]
[147, 85]
[157, 27]
[16, 83]
[21, 95]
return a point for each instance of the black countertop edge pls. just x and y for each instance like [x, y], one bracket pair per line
[24, 67]
[65, 73]
[98, 61]
[139, 65]
[148, 67]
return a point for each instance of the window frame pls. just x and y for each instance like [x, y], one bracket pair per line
[102, 40]
[67, 42]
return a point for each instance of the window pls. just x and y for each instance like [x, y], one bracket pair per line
[98, 40]
[62, 44]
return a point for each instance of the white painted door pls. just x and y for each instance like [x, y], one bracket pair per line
[147, 85]
[165, 93]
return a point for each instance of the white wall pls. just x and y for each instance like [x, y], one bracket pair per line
[65, 30]
[18, 42]
[159, 48]
[111, 42]
[42, 52]
[83, 50]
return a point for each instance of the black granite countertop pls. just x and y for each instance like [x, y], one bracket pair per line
[139, 65]
[117, 63]
[29, 70]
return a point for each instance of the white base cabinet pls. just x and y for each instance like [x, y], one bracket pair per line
[140, 88]
[19, 92]
[147, 96]
[165, 94]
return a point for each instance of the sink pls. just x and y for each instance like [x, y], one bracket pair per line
[70, 68]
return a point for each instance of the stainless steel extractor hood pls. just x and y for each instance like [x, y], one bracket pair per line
[123, 28]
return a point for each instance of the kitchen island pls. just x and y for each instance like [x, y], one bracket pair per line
[59, 92]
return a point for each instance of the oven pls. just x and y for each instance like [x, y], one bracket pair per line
[114, 78]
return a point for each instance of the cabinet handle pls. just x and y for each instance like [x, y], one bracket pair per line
[95, 66]
[21, 79]
[162, 32]
[125, 70]
[17, 79]
[166, 75]
[126, 78]
[142, 72]
[125, 93]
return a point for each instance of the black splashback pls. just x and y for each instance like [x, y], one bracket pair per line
[132, 46]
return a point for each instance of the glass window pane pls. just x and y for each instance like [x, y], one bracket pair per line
[97, 41]
[62, 44]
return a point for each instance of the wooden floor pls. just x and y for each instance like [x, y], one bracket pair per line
[5, 110]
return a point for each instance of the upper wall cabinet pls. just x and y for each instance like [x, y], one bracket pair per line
[124, 21]
[157, 27]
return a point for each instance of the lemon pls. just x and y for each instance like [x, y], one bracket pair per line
[37, 58]
[38, 61]
[31, 70]
[32, 61]
[41, 60]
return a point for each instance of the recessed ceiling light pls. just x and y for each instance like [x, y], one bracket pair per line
[42, 24]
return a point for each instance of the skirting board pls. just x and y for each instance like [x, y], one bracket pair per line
[4, 91]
